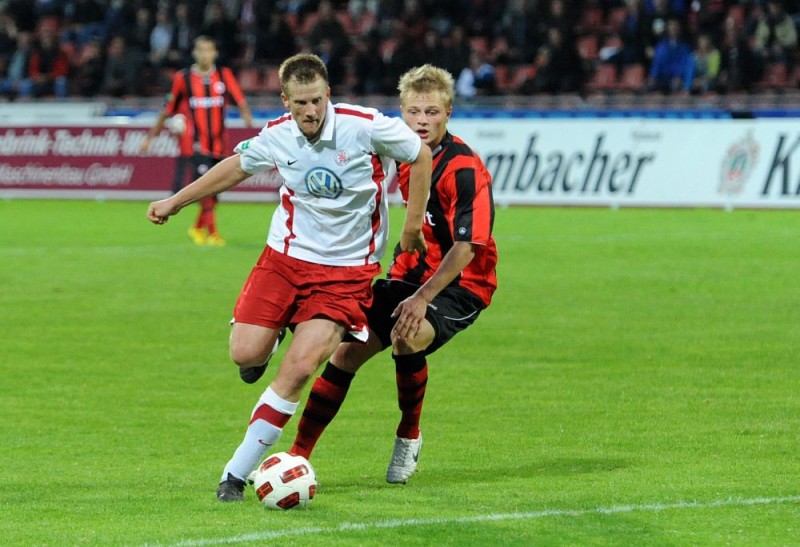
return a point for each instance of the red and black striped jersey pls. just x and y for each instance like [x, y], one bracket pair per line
[460, 208]
[202, 98]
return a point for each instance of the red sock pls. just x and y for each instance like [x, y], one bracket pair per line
[411, 372]
[207, 217]
[324, 401]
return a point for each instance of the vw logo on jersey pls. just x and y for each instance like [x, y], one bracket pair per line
[323, 183]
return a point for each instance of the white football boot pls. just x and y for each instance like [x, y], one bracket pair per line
[404, 459]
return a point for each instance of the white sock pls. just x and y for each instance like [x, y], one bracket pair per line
[261, 434]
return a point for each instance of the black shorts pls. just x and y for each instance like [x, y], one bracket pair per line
[201, 164]
[453, 310]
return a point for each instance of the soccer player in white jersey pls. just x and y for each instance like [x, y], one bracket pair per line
[324, 245]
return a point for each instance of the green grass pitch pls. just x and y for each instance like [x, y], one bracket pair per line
[635, 382]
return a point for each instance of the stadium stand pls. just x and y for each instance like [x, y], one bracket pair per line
[751, 45]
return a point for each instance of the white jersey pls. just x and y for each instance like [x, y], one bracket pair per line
[333, 200]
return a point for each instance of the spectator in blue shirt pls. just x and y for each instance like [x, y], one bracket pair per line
[671, 61]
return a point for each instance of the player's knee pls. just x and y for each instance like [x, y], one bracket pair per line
[408, 346]
[246, 355]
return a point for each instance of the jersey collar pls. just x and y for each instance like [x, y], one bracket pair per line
[327, 127]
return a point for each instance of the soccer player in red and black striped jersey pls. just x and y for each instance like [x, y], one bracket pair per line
[429, 296]
[201, 93]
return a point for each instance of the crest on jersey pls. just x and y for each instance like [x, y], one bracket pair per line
[323, 183]
[219, 88]
[341, 157]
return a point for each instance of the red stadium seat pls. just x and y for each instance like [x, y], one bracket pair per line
[250, 80]
[272, 82]
[775, 76]
[604, 78]
[587, 47]
[632, 78]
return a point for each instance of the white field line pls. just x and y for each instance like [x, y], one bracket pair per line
[401, 523]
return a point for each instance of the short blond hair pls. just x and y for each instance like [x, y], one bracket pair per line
[427, 79]
[303, 67]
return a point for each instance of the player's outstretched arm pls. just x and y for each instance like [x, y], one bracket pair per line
[226, 174]
[419, 186]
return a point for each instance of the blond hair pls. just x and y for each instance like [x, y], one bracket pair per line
[427, 79]
[303, 67]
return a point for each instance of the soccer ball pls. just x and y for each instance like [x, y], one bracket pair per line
[284, 481]
[176, 124]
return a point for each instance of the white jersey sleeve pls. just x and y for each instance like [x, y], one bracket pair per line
[255, 154]
[393, 138]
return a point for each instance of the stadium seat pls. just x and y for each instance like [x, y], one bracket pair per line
[272, 81]
[250, 80]
[604, 78]
[308, 23]
[632, 78]
[775, 76]
[479, 44]
[591, 20]
[519, 75]
[588, 47]
[737, 13]
[616, 17]
[502, 78]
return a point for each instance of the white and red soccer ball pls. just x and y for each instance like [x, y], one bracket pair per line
[285, 481]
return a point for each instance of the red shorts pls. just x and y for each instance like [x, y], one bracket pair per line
[284, 291]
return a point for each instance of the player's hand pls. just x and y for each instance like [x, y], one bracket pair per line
[409, 313]
[144, 146]
[159, 211]
[412, 241]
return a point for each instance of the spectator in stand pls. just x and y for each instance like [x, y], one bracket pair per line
[274, 39]
[160, 39]
[88, 70]
[16, 81]
[86, 21]
[369, 69]
[121, 70]
[8, 40]
[24, 14]
[117, 16]
[703, 67]
[675, 7]
[137, 36]
[220, 28]
[415, 24]
[558, 16]
[455, 53]
[558, 67]
[405, 56]
[328, 27]
[740, 67]
[334, 62]
[478, 79]
[183, 34]
[671, 61]
[710, 18]
[634, 35]
[517, 25]
[656, 24]
[48, 66]
[776, 34]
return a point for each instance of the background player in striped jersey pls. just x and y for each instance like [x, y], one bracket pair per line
[325, 242]
[200, 94]
[429, 296]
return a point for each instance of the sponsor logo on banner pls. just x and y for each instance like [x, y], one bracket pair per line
[595, 170]
[737, 165]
